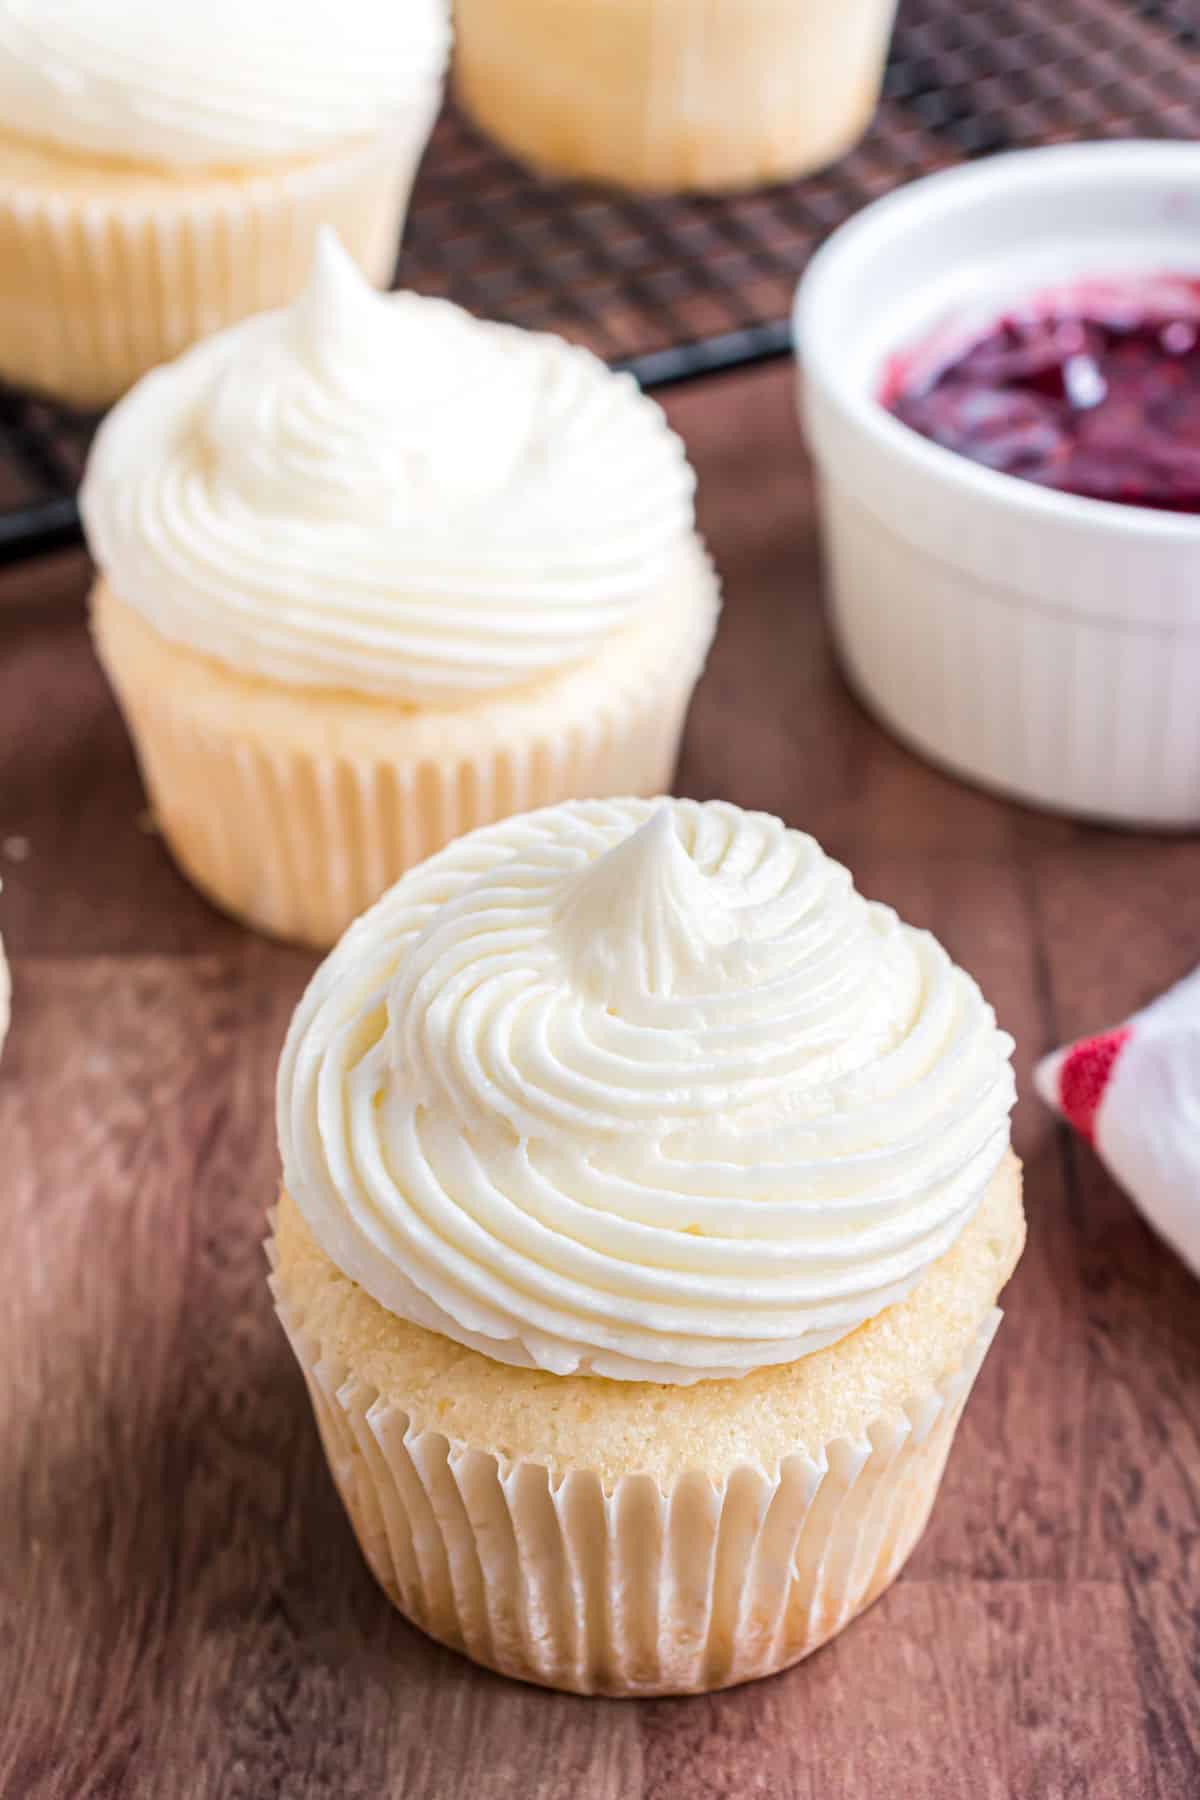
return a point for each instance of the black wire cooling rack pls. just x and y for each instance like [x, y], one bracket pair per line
[677, 288]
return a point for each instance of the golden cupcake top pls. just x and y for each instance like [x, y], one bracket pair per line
[215, 83]
[640, 1089]
[384, 495]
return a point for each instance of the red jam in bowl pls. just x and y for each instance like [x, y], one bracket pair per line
[1092, 388]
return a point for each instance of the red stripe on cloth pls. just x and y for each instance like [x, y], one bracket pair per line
[1085, 1074]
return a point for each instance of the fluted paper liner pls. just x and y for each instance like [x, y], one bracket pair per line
[298, 837]
[661, 95]
[106, 278]
[635, 1588]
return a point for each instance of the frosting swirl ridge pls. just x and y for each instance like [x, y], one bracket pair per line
[211, 83]
[385, 495]
[642, 1090]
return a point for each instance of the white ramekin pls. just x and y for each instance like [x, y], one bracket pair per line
[1044, 645]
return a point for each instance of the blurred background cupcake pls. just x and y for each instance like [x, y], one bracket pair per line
[164, 167]
[647, 1196]
[373, 573]
[669, 94]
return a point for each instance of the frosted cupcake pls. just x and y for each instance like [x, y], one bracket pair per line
[667, 94]
[374, 573]
[647, 1196]
[165, 164]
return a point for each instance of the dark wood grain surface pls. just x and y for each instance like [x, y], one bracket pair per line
[183, 1611]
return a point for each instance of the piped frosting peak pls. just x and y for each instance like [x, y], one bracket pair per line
[643, 922]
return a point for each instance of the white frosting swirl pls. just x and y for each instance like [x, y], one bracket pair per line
[211, 83]
[383, 494]
[644, 1090]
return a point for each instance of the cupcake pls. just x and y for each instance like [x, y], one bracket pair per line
[374, 573]
[665, 94]
[164, 167]
[647, 1196]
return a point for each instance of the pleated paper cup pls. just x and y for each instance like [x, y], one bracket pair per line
[108, 270]
[669, 94]
[295, 810]
[610, 1579]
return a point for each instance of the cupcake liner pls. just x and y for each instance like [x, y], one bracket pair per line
[657, 95]
[298, 832]
[299, 845]
[106, 276]
[630, 1589]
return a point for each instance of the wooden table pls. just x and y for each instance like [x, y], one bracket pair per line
[183, 1612]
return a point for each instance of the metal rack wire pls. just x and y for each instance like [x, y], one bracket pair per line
[678, 288]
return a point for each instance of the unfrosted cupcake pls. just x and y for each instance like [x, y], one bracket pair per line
[165, 164]
[374, 573]
[647, 1196]
[669, 94]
